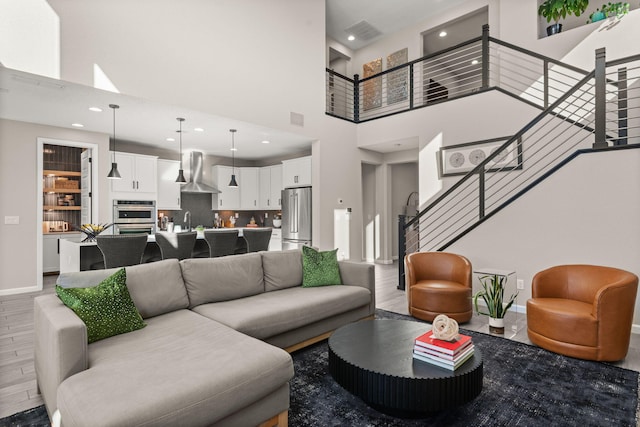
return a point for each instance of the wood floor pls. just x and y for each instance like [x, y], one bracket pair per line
[17, 375]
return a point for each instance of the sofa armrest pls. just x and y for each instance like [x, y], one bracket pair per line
[60, 347]
[360, 274]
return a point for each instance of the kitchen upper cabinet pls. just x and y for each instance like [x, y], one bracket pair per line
[249, 188]
[168, 188]
[229, 197]
[270, 187]
[296, 172]
[138, 172]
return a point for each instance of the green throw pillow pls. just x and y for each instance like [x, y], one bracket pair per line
[106, 309]
[320, 268]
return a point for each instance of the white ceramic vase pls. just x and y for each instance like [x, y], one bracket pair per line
[496, 326]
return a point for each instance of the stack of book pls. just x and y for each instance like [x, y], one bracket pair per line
[446, 354]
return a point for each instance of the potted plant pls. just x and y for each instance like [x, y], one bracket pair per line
[618, 10]
[493, 295]
[553, 10]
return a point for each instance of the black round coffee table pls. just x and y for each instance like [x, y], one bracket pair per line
[373, 359]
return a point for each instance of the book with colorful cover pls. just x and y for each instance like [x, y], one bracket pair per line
[448, 347]
[446, 358]
[441, 362]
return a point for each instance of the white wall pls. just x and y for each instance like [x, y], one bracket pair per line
[586, 213]
[18, 187]
[246, 59]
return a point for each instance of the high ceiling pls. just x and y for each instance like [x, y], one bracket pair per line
[385, 16]
[31, 98]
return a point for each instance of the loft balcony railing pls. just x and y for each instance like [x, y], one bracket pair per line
[480, 64]
[601, 111]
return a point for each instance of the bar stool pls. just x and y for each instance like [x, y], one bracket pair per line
[221, 242]
[176, 245]
[257, 240]
[121, 250]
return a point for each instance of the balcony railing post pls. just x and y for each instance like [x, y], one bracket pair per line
[600, 107]
[411, 86]
[545, 64]
[356, 98]
[485, 56]
[481, 194]
[622, 107]
[402, 245]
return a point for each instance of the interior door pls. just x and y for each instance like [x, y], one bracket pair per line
[85, 185]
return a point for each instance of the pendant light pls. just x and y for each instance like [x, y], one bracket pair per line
[233, 182]
[180, 177]
[113, 173]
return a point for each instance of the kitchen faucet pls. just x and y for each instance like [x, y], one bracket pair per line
[187, 214]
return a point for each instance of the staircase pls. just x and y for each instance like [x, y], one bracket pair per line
[581, 112]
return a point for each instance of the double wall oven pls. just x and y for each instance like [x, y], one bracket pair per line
[134, 216]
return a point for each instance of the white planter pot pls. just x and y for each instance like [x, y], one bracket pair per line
[496, 326]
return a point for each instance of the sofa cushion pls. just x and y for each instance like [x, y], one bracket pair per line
[282, 269]
[222, 279]
[106, 309]
[155, 288]
[272, 313]
[320, 268]
[182, 369]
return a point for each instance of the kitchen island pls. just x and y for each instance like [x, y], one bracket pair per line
[81, 256]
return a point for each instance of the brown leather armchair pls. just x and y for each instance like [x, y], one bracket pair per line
[438, 283]
[582, 311]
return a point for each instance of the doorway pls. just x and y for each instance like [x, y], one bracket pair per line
[66, 196]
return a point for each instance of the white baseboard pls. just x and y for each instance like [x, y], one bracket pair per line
[384, 261]
[15, 291]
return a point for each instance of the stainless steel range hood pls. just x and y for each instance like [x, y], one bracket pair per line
[195, 184]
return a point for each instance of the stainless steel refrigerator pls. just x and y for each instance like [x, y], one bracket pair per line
[296, 217]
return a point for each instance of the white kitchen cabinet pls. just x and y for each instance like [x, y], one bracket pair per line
[138, 172]
[270, 186]
[275, 244]
[296, 172]
[248, 188]
[51, 250]
[168, 188]
[229, 197]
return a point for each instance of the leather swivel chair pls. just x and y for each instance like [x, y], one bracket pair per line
[438, 283]
[582, 311]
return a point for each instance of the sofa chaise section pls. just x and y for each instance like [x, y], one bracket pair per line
[181, 369]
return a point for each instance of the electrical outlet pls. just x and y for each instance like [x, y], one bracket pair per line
[520, 284]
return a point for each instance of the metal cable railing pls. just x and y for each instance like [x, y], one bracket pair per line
[602, 110]
[479, 64]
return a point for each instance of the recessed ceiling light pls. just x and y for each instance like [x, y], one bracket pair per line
[198, 129]
[474, 62]
[171, 139]
[443, 33]
[351, 37]
[265, 141]
[77, 125]
[95, 109]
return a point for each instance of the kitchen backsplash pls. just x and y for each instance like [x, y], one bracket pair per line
[199, 204]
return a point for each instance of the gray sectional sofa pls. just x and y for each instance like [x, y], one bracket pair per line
[213, 351]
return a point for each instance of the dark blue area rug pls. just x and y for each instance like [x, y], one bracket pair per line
[523, 386]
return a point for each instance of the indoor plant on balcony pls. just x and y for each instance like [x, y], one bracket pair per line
[493, 295]
[553, 10]
[618, 10]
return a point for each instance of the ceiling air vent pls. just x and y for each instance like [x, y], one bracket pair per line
[363, 31]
